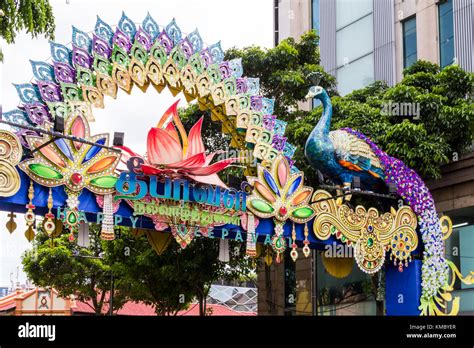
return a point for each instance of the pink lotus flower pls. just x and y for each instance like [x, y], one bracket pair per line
[170, 152]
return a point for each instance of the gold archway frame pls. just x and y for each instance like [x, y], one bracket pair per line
[370, 233]
[143, 55]
[10, 155]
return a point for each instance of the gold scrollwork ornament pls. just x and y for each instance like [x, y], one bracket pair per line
[10, 155]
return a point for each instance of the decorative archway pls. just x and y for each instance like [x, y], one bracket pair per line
[79, 79]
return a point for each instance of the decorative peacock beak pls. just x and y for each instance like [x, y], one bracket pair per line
[309, 95]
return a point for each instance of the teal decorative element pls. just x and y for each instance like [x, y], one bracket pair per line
[17, 116]
[42, 71]
[173, 31]
[236, 66]
[196, 41]
[60, 53]
[127, 26]
[253, 85]
[28, 93]
[267, 106]
[81, 39]
[280, 127]
[103, 30]
[216, 52]
[150, 26]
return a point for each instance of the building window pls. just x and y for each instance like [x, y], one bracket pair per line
[315, 15]
[446, 33]
[354, 44]
[276, 23]
[409, 42]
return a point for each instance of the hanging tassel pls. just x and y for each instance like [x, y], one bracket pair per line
[30, 216]
[49, 225]
[107, 232]
[224, 255]
[294, 252]
[83, 236]
[306, 250]
[251, 244]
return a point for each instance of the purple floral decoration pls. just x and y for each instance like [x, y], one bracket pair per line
[414, 192]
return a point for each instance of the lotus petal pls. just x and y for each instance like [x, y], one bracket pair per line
[195, 144]
[171, 129]
[150, 170]
[212, 169]
[195, 161]
[169, 114]
[162, 147]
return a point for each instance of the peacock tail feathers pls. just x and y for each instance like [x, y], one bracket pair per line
[415, 193]
[350, 149]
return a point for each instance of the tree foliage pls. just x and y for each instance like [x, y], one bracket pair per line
[169, 281]
[442, 130]
[34, 16]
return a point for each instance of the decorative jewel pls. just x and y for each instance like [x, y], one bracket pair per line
[183, 234]
[282, 196]
[74, 164]
[107, 232]
[49, 225]
[370, 233]
[11, 224]
[30, 217]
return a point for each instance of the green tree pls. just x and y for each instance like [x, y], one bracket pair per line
[169, 281]
[443, 129]
[34, 16]
[70, 269]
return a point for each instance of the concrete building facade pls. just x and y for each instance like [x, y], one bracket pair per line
[362, 41]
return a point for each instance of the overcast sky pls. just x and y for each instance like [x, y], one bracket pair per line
[235, 23]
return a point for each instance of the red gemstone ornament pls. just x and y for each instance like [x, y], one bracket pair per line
[283, 211]
[76, 178]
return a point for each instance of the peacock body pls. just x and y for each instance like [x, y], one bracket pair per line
[339, 154]
[345, 153]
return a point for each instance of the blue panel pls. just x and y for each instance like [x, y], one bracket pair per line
[403, 289]
[90, 207]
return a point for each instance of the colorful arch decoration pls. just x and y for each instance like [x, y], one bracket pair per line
[78, 180]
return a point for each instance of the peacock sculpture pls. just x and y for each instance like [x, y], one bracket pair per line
[340, 154]
[345, 153]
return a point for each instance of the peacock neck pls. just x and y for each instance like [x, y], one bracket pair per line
[324, 124]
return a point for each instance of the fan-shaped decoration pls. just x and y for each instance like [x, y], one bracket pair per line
[74, 164]
[280, 195]
[371, 234]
